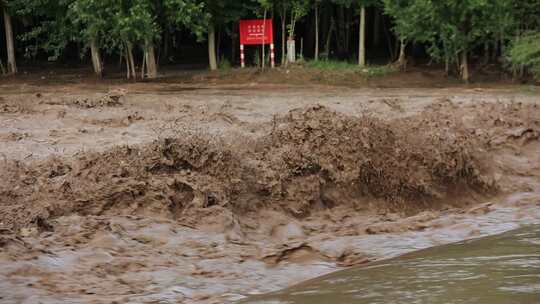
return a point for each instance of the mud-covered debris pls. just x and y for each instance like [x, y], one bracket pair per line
[352, 256]
[310, 159]
[393, 103]
[14, 136]
[417, 222]
[14, 108]
[110, 99]
[296, 252]
[482, 209]
[524, 134]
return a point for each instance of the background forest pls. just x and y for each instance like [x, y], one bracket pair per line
[141, 35]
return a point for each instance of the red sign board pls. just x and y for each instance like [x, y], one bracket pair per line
[256, 31]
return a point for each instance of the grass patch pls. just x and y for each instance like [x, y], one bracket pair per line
[378, 70]
[332, 65]
[345, 66]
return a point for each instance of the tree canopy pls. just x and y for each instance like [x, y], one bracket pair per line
[144, 33]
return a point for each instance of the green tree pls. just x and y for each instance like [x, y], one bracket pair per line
[412, 20]
[189, 14]
[282, 8]
[298, 9]
[452, 27]
[525, 53]
[316, 6]
[134, 24]
[49, 28]
[361, 6]
[202, 17]
[223, 12]
[463, 25]
[94, 22]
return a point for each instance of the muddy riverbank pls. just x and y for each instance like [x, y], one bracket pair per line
[209, 196]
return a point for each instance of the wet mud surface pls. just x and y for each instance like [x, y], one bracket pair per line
[158, 195]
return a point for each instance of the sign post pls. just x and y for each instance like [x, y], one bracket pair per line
[256, 32]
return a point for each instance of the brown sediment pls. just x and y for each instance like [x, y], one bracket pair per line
[310, 159]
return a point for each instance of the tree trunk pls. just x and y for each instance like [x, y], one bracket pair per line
[302, 48]
[291, 50]
[329, 37]
[128, 66]
[283, 36]
[446, 60]
[96, 58]
[150, 59]
[143, 65]
[212, 47]
[362, 42]
[11, 62]
[291, 42]
[2, 69]
[131, 62]
[218, 46]
[402, 61]
[376, 27]
[316, 32]
[464, 67]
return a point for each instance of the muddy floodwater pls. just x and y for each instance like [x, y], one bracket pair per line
[160, 193]
[500, 269]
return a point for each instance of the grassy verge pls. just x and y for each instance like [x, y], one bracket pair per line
[345, 66]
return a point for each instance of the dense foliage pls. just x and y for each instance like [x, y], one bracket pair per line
[525, 53]
[145, 33]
